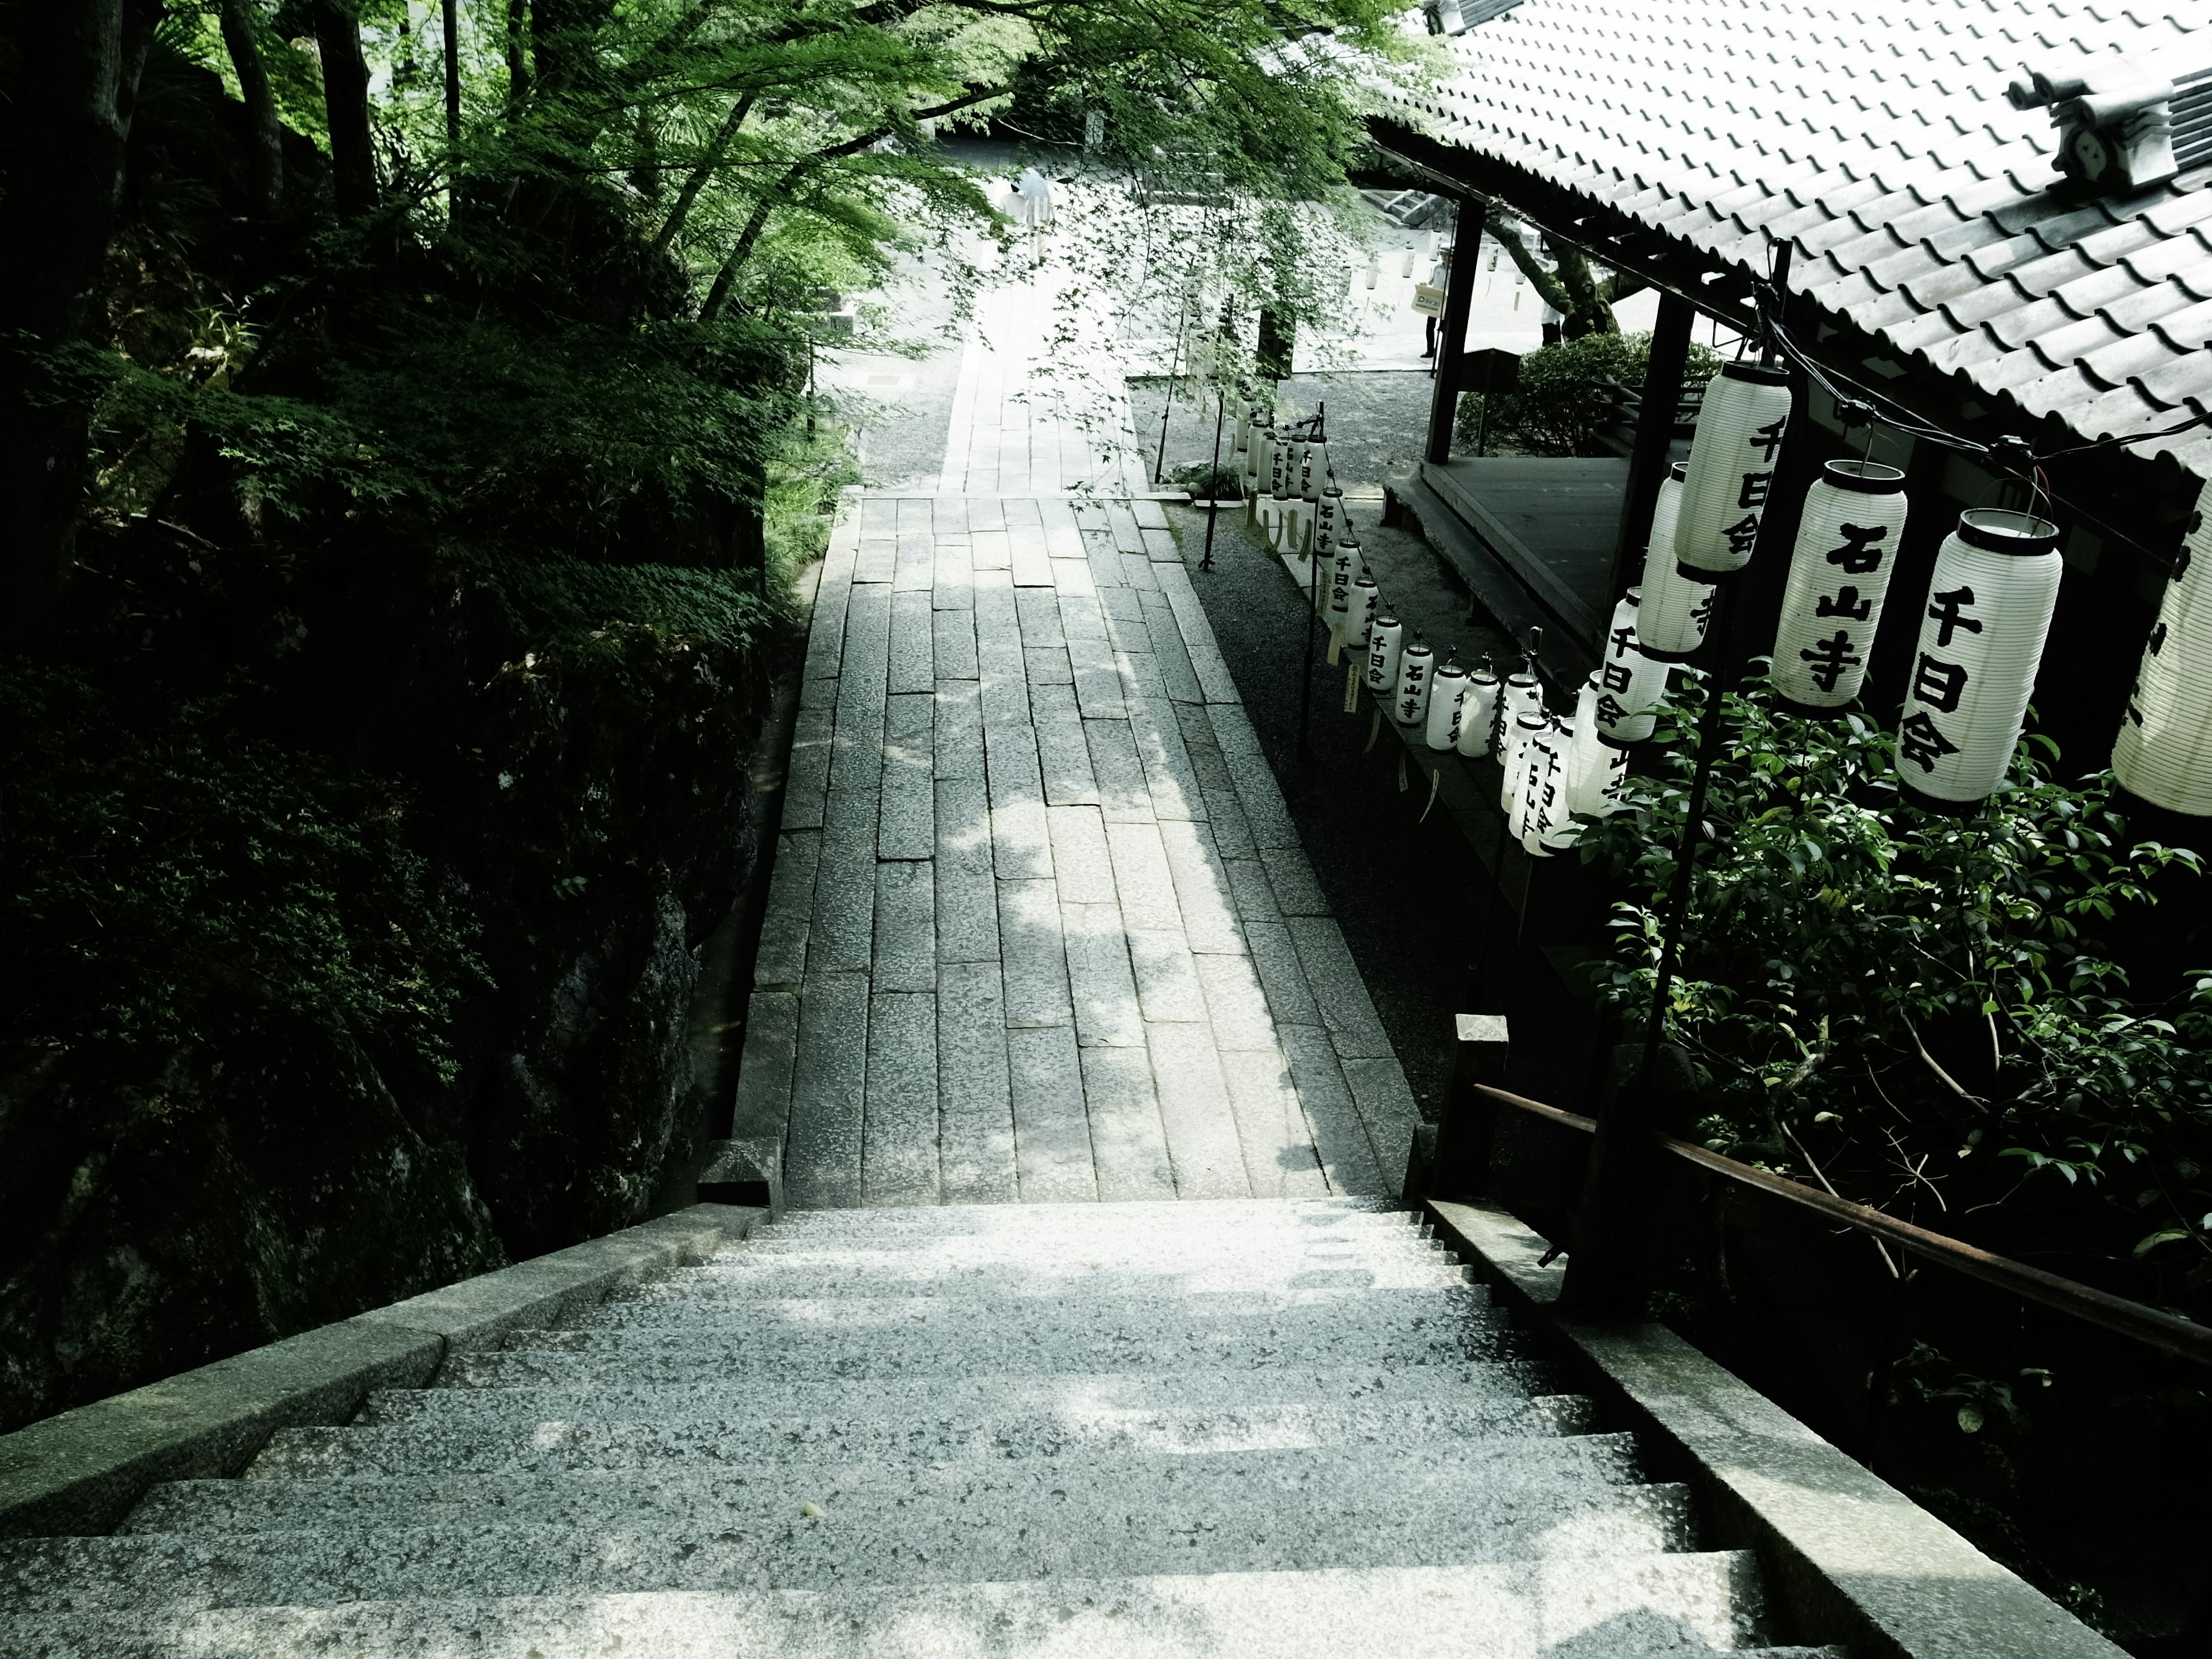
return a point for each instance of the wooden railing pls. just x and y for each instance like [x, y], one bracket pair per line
[2150, 1326]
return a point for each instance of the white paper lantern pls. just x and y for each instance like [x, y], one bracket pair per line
[1522, 714]
[1544, 818]
[1447, 697]
[1385, 640]
[1989, 608]
[1416, 667]
[1514, 795]
[1670, 623]
[1329, 523]
[2163, 754]
[1740, 421]
[1839, 572]
[1595, 768]
[1359, 615]
[1478, 718]
[1632, 681]
[1346, 567]
[1313, 469]
[1255, 469]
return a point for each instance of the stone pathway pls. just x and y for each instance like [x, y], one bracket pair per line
[1040, 926]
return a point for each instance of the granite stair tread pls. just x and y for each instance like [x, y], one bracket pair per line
[1208, 1487]
[1660, 1606]
[545, 1444]
[1069, 1396]
[1160, 1430]
[1557, 1520]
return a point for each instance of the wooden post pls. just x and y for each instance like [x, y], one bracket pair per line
[1451, 334]
[1451, 1159]
[1655, 432]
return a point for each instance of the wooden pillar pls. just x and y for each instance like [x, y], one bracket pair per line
[1655, 432]
[1451, 333]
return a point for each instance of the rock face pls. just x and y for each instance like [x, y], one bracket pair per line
[586, 815]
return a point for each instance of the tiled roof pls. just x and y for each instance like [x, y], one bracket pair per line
[1879, 137]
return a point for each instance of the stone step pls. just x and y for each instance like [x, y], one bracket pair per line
[1128, 1314]
[1012, 1233]
[1034, 1219]
[605, 1440]
[1083, 1498]
[735, 1349]
[956, 1270]
[577, 1358]
[1553, 1520]
[1073, 1397]
[1655, 1606]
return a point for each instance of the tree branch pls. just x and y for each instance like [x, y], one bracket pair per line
[699, 175]
[260, 103]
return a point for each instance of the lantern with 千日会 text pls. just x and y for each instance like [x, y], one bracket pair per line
[1630, 680]
[1478, 716]
[1839, 571]
[1989, 608]
[1385, 643]
[2163, 753]
[1359, 614]
[1740, 421]
[1520, 716]
[1595, 768]
[1447, 699]
[1670, 623]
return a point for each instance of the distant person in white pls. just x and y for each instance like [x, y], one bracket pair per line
[1033, 208]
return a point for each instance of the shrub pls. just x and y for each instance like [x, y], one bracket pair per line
[1915, 1007]
[1568, 394]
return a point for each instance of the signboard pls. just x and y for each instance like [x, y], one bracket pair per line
[1428, 302]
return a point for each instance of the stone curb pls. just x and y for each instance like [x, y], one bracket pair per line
[79, 1473]
[1849, 1558]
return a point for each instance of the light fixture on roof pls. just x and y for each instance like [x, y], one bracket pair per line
[1989, 606]
[2115, 119]
[2163, 754]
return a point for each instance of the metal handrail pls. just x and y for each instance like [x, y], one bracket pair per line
[2169, 1333]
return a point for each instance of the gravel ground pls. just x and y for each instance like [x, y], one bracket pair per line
[1376, 421]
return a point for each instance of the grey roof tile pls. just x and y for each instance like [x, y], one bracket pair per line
[1879, 139]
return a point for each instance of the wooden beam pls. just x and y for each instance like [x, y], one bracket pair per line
[1452, 332]
[1655, 433]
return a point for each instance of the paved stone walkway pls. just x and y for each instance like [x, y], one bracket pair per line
[1040, 926]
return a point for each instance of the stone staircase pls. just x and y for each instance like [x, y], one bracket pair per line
[1228, 1429]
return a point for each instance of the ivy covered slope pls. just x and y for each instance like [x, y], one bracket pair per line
[378, 764]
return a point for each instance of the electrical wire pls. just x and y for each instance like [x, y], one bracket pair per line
[2012, 454]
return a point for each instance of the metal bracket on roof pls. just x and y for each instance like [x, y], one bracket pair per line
[1458, 17]
[2115, 120]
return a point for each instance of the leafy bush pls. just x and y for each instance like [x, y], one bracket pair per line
[1208, 483]
[155, 885]
[1568, 394]
[1915, 1007]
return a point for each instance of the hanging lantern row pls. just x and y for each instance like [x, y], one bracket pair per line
[1989, 610]
[2163, 754]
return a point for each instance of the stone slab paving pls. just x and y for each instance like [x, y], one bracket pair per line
[1040, 928]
